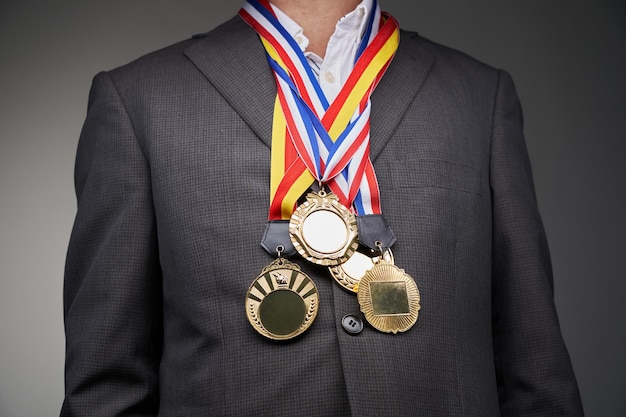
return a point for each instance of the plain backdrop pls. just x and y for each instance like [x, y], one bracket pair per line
[568, 58]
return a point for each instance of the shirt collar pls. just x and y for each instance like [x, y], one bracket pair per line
[355, 21]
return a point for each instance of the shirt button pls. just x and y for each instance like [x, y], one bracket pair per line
[352, 324]
[299, 40]
[328, 76]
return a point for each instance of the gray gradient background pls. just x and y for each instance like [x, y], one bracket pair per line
[568, 59]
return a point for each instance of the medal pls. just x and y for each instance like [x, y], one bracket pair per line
[349, 273]
[322, 230]
[282, 301]
[389, 298]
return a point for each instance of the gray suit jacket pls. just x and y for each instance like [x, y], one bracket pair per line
[172, 179]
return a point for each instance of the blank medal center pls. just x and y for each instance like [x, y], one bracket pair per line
[325, 231]
[357, 265]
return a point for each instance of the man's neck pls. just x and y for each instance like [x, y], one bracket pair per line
[317, 18]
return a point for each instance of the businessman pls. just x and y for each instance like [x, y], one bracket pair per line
[309, 212]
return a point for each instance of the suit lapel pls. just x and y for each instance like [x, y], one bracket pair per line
[397, 89]
[233, 60]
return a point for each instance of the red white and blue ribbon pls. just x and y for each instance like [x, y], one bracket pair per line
[314, 140]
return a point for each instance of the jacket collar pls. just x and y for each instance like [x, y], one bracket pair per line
[232, 58]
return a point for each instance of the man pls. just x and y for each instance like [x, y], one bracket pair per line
[165, 278]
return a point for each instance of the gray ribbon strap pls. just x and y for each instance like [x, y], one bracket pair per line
[374, 230]
[277, 234]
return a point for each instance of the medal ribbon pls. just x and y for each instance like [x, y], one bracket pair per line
[313, 140]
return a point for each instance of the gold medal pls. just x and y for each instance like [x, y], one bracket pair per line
[349, 273]
[389, 298]
[282, 302]
[322, 230]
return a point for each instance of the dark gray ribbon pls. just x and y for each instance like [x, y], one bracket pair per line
[374, 232]
[276, 235]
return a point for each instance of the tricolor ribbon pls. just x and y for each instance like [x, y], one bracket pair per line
[314, 140]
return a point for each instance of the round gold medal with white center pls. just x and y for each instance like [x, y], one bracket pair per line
[349, 273]
[323, 231]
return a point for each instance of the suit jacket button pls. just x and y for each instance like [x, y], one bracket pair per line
[352, 324]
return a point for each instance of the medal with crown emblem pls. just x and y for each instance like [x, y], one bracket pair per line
[282, 301]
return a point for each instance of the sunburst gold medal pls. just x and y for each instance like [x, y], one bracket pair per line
[282, 302]
[389, 298]
[322, 230]
[349, 273]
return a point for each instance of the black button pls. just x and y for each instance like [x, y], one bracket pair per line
[352, 324]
